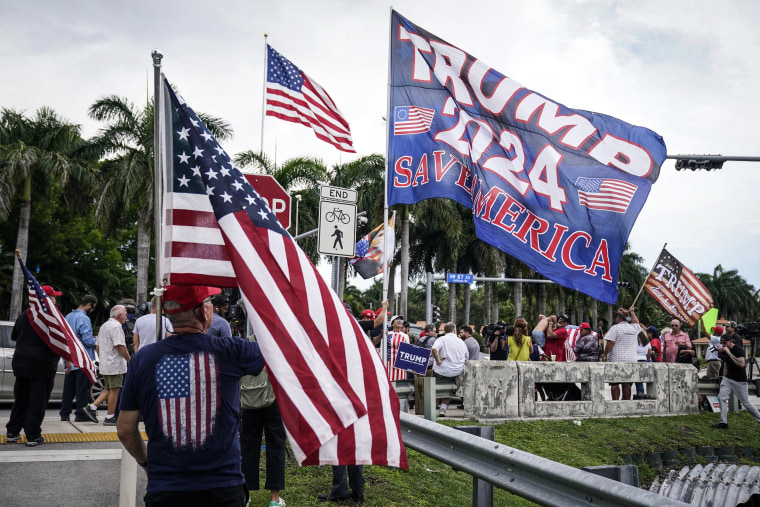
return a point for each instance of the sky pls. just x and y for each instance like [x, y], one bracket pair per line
[687, 70]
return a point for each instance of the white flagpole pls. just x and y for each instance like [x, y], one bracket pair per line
[264, 93]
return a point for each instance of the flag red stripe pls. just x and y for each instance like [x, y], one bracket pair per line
[199, 251]
[194, 218]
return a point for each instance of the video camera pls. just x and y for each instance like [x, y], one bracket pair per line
[488, 331]
[236, 318]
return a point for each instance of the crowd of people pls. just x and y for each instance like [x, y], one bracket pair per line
[144, 370]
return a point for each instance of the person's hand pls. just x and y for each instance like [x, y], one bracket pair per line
[67, 367]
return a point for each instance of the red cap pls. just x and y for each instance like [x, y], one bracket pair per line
[188, 296]
[561, 333]
[368, 313]
[584, 325]
[50, 291]
[718, 330]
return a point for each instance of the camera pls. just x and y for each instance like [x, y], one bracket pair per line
[490, 329]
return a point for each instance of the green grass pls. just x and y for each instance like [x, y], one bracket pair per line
[594, 442]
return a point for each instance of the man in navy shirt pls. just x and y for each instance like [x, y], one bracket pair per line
[185, 387]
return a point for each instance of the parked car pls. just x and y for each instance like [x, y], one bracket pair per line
[7, 347]
[414, 332]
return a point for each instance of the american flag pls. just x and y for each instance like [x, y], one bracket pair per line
[369, 259]
[411, 120]
[677, 289]
[605, 194]
[293, 96]
[50, 325]
[336, 402]
[188, 398]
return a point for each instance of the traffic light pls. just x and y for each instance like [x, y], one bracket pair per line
[698, 163]
[436, 314]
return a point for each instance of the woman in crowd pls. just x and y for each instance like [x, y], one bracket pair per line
[519, 343]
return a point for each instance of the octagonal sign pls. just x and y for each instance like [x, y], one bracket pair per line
[276, 196]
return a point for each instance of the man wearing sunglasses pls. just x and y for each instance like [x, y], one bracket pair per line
[676, 343]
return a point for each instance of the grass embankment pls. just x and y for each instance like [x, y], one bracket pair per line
[594, 442]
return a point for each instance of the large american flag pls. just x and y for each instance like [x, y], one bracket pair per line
[412, 120]
[336, 402]
[52, 327]
[188, 397]
[605, 194]
[293, 96]
[677, 289]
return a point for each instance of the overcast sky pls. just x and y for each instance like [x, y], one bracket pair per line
[688, 70]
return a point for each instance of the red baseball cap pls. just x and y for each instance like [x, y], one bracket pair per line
[50, 291]
[718, 330]
[187, 296]
[584, 325]
[368, 313]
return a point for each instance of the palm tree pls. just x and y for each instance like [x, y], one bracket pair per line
[732, 295]
[33, 153]
[127, 144]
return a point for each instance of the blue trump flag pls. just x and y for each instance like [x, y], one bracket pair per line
[557, 188]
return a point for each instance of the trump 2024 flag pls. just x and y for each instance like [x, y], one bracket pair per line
[557, 188]
[335, 399]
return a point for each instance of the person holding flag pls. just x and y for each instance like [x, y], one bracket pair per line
[34, 365]
[43, 321]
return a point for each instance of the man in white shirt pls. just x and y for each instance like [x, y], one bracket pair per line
[144, 332]
[450, 354]
[113, 356]
[620, 346]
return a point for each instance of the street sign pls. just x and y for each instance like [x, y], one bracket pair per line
[338, 194]
[273, 193]
[459, 278]
[337, 228]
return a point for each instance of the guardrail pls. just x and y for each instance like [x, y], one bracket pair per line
[538, 479]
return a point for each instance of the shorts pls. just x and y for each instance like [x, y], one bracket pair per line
[113, 381]
[539, 338]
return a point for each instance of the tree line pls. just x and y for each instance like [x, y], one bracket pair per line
[81, 212]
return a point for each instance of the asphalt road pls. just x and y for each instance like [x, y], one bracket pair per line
[62, 474]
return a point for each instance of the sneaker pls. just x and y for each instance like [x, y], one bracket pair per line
[442, 413]
[280, 503]
[110, 421]
[35, 441]
[720, 425]
[90, 414]
[12, 437]
[65, 418]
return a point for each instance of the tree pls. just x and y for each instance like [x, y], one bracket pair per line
[34, 153]
[127, 145]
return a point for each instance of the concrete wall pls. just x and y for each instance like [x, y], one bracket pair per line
[496, 391]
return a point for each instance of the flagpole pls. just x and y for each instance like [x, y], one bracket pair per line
[157, 182]
[642, 286]
[386, 267]
[264, 94]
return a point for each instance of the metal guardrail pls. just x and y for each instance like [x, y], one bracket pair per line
[538, 479]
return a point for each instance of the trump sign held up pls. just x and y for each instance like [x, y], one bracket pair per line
[557, 188]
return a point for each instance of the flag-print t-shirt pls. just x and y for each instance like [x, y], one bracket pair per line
[186, 388]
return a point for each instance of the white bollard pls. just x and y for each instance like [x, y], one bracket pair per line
[128, 480]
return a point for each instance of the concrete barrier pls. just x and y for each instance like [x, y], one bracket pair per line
[497, 391]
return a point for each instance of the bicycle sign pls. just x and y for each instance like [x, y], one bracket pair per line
[337, 214]
[337, 228]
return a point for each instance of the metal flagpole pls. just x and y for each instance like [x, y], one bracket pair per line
[384, 342]
[645, 282]
[157, 182]
[264, 93]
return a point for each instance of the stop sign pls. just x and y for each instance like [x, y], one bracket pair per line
[276, 197]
